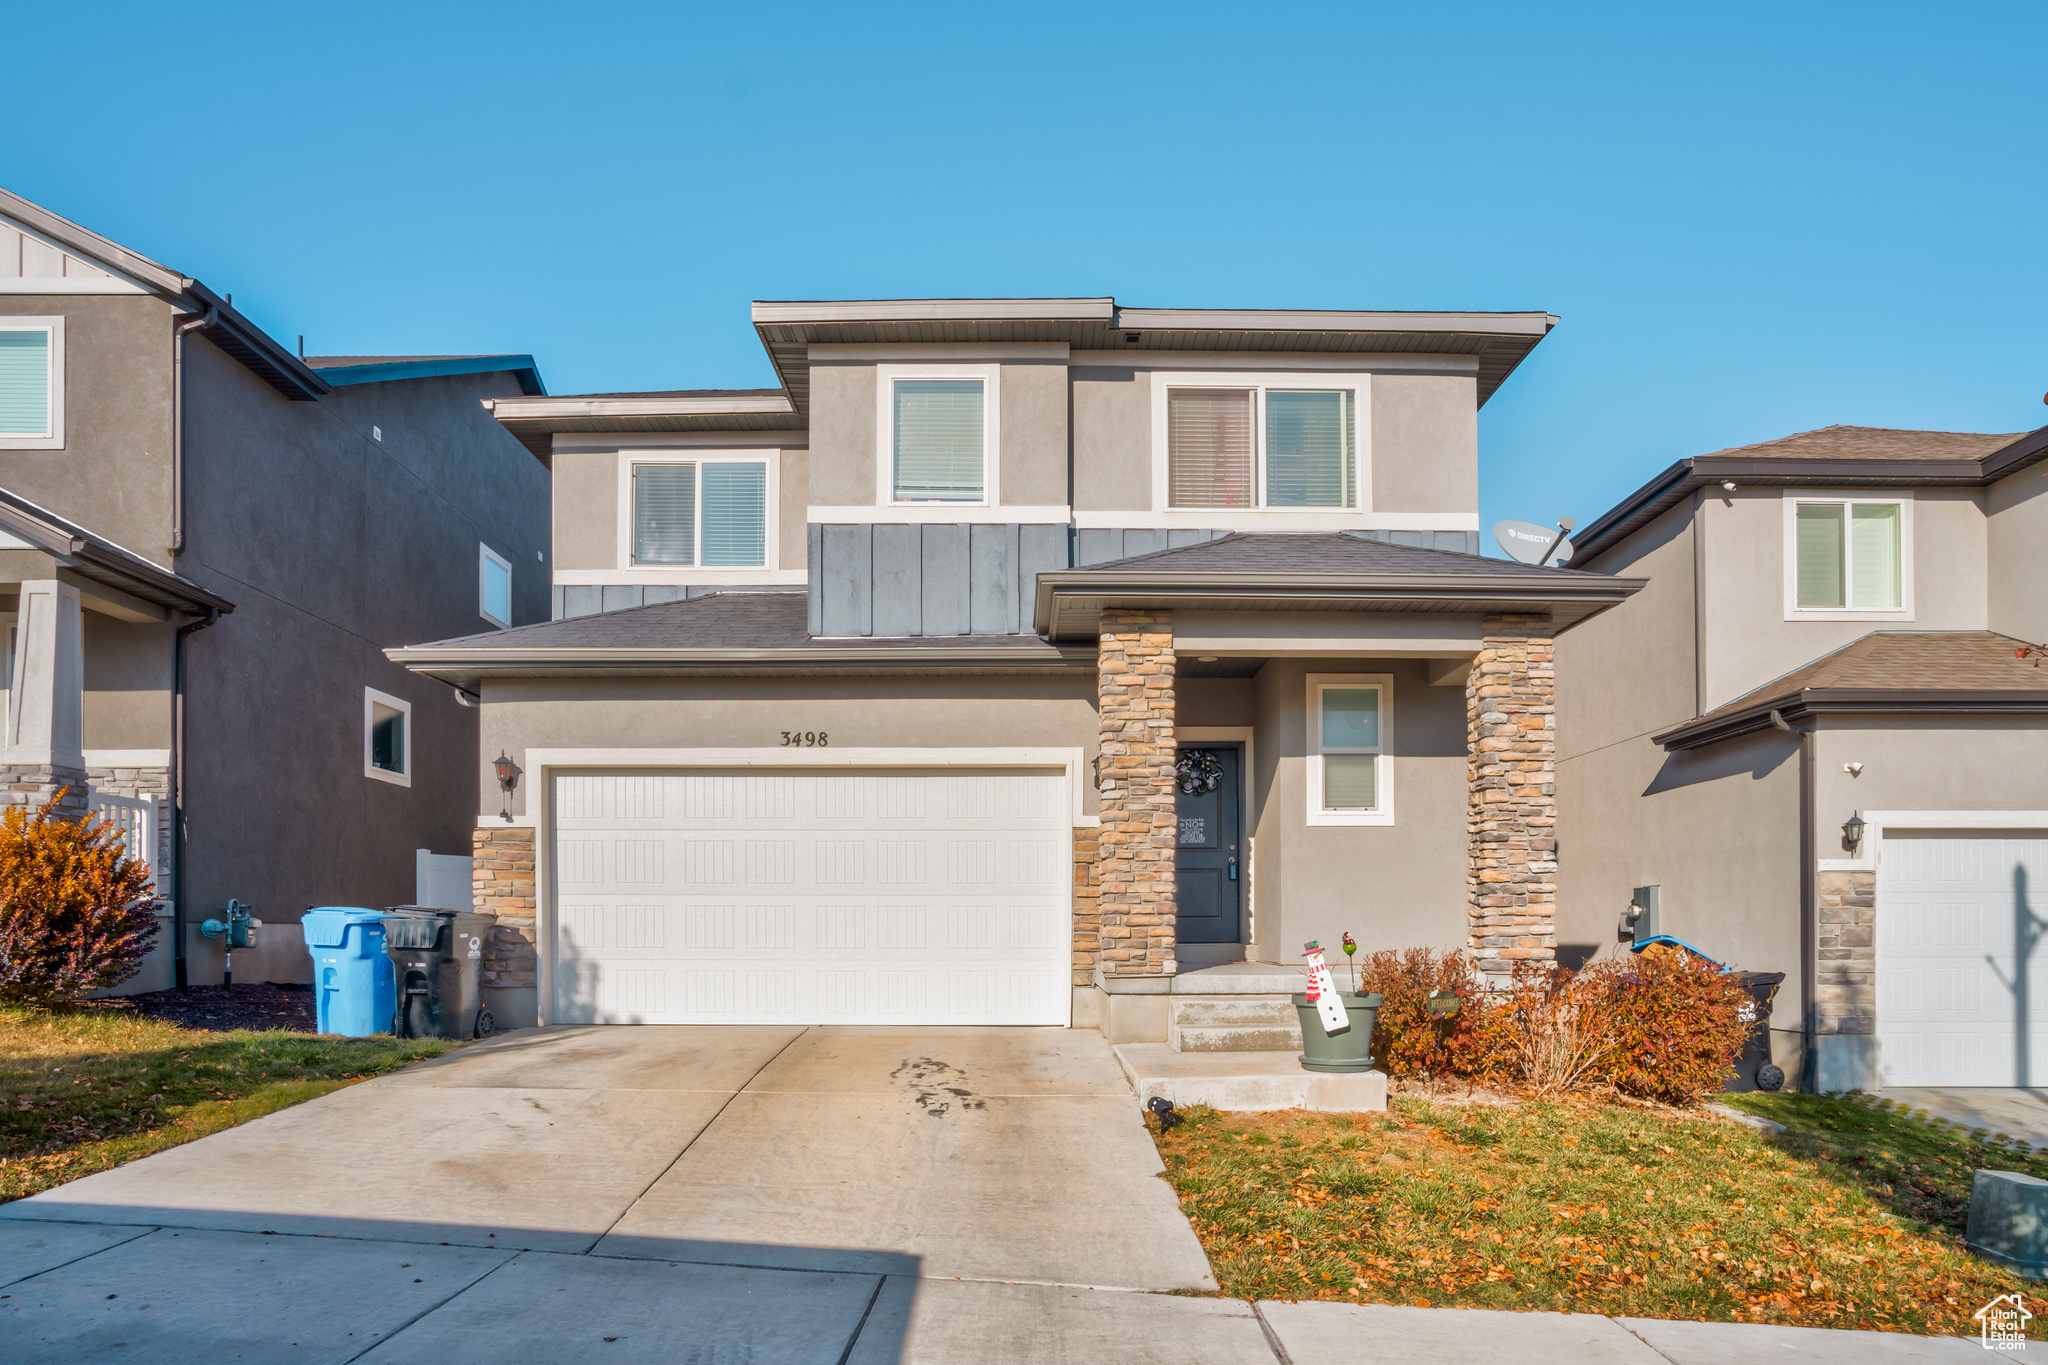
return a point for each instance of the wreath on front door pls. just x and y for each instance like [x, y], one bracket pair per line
[1198, 773]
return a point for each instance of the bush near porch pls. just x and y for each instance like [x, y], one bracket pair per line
[1853, 1219]
[85, 1090]
[1659, 1026]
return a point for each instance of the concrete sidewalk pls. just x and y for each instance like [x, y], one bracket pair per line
[75, 1292]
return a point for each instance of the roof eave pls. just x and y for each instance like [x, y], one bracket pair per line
[1450, 592]
[1814, 701]
[521, 367]
[105, 562]
[253, 347]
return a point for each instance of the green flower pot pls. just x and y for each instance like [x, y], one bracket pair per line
[1350, 1050]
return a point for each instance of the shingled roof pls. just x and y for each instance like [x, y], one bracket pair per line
[1322, 552]
[1875, 443]
[732, 631]
[1886, 670]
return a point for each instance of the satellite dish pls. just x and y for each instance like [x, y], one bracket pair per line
[1533, 544]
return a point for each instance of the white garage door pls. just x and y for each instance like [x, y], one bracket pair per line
[1962, 966]
[812, 896]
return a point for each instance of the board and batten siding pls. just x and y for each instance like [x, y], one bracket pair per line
[957, 578]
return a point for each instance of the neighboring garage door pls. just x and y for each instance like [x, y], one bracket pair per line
[795, 895]
[1962, 971]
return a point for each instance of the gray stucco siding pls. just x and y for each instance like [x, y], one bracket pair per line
[113, 474]
[842, 423]
[128, 680]
[977, 712]
[1425, 443]
[1918, 763]
[2016, 542]
[1112, 440]
[1392, 886]
[1034, 433]
[1630, 671]
[586, 509]
[1717, 829]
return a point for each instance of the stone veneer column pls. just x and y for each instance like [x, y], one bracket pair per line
[1087, 928]
[502, 884]
[1134, 697]
[1845, 989]
[1511, 750]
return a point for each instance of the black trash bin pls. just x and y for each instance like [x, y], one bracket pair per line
[437, 957]
[1754, 1069]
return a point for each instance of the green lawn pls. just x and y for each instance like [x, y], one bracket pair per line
[1853, 1219]
[85, 1090]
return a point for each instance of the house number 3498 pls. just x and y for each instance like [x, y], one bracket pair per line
[805, 739]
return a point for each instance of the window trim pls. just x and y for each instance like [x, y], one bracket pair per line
[486, 557]
[991, 377]
[1383, 769]
[372, 698]
[1261, 516]
[631, 572]
[54, 438]
[1791, 499]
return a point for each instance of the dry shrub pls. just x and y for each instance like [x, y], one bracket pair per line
[1678, 1026]
[1559, 1026]
[1408, 1041]
[75, 913]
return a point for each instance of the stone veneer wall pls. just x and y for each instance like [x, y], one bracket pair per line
[1846, 987]
[1511, 753]
[1087, 928]
[502, 884]
[32, 785]
[1134, 699]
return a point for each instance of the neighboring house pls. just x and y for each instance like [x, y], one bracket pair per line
[1828, 635]
[209, 541]
[871, 694]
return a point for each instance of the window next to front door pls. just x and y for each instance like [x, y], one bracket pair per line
[1349, 733]
[1848, 558]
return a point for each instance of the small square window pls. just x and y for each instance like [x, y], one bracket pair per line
[494, 586]
[1347, 777]
[387, 737]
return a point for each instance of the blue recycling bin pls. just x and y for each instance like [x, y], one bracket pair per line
[355, 992]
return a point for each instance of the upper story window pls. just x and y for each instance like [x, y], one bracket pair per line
[706, 512]
[1261, 445]
[936, 435]
[31, 383]
[1847, 556]
[494, 586]
[1347, 768]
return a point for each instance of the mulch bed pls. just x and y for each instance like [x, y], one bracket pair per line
[252, 1006]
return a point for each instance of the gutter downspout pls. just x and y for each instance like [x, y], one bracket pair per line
[1809, 970]
[211, 317]
[177, 786]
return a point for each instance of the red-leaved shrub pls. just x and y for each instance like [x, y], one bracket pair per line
[1408, 1041]
[1678, 1025]
[75, 912]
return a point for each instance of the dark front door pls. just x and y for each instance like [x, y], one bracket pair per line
[1208, 862]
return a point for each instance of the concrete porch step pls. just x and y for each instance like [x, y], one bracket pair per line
[1232, 1023]
[1245, 1081]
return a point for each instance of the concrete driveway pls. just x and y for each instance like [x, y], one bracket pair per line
[2021, 1113]
[629, 1195]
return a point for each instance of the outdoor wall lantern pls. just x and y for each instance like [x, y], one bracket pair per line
[508, 778]
[1852, 832]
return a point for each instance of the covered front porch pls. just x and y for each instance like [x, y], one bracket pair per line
[88, 680]
[1303, 736]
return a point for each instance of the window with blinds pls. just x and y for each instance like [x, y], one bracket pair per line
[1308, 448]
[25, 382]
[1848, 554]
[712, 514]
[1349, 743]
[939, 440]
[1209, 448]
[1261, 447]
[665, 514]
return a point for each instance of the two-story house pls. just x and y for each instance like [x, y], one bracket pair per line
[1811, 736]
[1019, 661]
[207, 540]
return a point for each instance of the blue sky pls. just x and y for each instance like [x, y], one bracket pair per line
[1753, 220]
